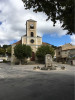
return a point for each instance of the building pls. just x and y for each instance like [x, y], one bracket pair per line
[65, 53]
[30, 38]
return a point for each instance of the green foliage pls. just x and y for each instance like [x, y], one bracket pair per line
[6, 46]
[34, 68]
[44, 68]
[28, 51]
[52, 68]
[9, 51]
[55, 47]
[5, 49]
[63, 68]
[42, 51]
[62, 10]
[22, 51]
[2, 51]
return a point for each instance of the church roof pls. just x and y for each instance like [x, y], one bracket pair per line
[18, 42]
[44, 43]
[31, 20]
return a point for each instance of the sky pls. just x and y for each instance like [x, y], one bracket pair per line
[13, 18]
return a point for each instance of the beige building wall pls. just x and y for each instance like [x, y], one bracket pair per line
[55, 54]
[65, 53]
[39, 41]
[72, 53]
[58, 52]
[29, 30]
[73, 62]
[27, 39]
[12, 54]
[24, 40]
[13, 58]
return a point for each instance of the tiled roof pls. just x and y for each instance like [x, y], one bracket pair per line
[45, 43]
[68, 46]
[19, 42]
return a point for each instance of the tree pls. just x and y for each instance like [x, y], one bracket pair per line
[8, 51]
[5, 46]
[62, 10]
[2, 51]
[42, 51]
[55, 47]
[22, 51]
[28, 51]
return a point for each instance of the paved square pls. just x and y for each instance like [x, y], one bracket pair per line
[23, 83]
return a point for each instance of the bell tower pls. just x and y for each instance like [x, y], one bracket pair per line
[31, 28]
[31, 37]
[31, 34]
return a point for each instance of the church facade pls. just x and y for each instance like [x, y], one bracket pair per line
[30, 38]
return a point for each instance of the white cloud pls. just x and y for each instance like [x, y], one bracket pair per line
[14, 16]
[72, 39]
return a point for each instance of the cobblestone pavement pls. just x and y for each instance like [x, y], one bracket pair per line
[21, 82]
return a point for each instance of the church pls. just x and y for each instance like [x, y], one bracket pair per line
[30, 38]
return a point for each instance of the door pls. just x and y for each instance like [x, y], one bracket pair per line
[33, 56]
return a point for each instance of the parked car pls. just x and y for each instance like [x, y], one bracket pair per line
[1, 60]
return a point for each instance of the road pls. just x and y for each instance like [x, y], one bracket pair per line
[23, 83]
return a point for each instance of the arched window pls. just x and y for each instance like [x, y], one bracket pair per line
[32, 34]
[31, 26]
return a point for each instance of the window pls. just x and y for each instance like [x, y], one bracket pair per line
[32, 41]
[58, 53]
[31, 26]
[32, 34]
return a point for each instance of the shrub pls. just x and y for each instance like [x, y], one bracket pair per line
[38, 67]
[44, 68]
[52, 68]
[17, 63]
[62, 67]
[42, 51]
[22, 51]
[55, 66]
[34, 68]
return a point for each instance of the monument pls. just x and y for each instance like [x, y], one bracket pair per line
[48, 60]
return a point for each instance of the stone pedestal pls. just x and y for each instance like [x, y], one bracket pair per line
[48, 60]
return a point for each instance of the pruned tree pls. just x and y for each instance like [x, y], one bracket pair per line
[42, 51]
[8, 51]
[22, 51]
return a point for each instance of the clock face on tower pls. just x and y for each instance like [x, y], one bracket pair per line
[32, 41]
